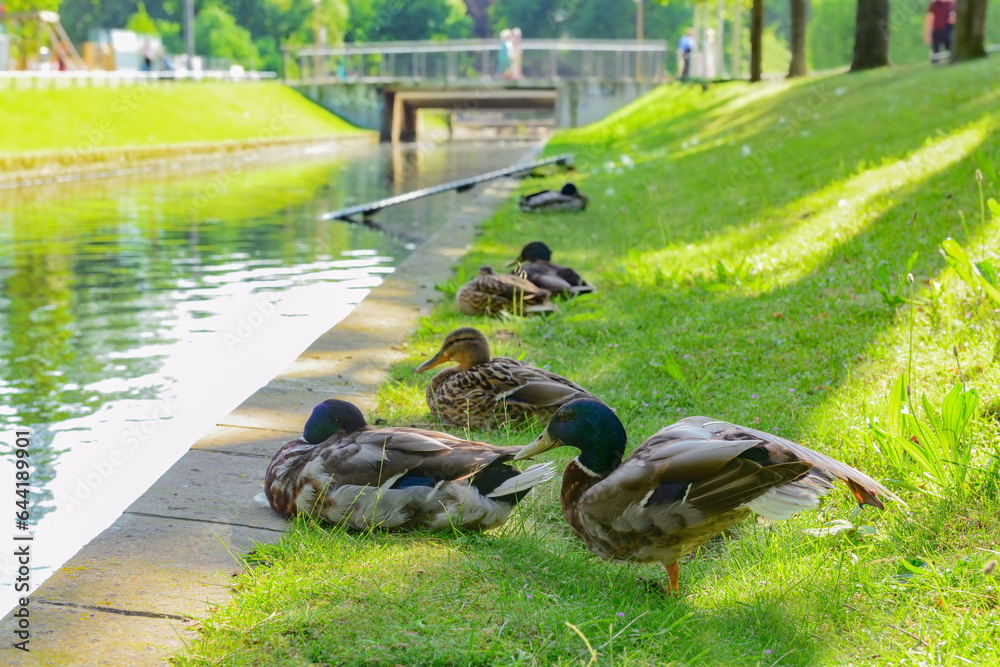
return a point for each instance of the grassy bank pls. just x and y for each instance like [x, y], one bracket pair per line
[751, 252]
[37, 125]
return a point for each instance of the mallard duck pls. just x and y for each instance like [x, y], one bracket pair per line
[566, 199]
[344, 471]
[481, 392]
[535, 261]
[489, 293]
[686, 483]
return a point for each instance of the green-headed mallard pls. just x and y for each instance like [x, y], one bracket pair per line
[344, 471]
[535, 261]
[489, 293]
[481, 392]
[566, 199]
[686, 483]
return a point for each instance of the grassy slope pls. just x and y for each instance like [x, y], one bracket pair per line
[799, 190]
[81, 119]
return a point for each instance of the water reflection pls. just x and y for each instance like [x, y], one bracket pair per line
[136, 313]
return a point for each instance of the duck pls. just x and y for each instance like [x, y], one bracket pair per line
[345, 471]
[686, 483]
[482, 392]
[568, 198]
[535, 262]
[490, 293]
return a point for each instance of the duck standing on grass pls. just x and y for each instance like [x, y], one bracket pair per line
[535, 261]
[489, 293]
[686, 483]
[344, 471]
[550, 201]
[481, 392]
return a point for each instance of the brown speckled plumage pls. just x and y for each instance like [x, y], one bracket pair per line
[481, 392]
[369, 477]
[685, 484]
[489, 293]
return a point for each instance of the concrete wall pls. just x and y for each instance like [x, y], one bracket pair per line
[583, 102]
[360, 104]
[372, 106]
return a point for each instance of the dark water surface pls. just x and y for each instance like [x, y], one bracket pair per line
[136, 313]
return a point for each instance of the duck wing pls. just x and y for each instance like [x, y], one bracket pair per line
[539, 387]
[547, 278]
[865, 489]
[699, 469]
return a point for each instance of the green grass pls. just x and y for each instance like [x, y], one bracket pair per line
[742, 292]
[82, 119]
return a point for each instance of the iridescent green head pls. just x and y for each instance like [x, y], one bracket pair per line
[330, 417]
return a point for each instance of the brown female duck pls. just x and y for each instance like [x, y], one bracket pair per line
[344, 471]
[535, 261]
[480, 392]
[489, 293]
[686, 483]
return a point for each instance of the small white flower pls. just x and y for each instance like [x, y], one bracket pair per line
[842, 203]
[746, 151]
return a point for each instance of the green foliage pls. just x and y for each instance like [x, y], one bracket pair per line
[141, 22]
[830, 35]
[934, 446]
[387, 20]
[981, 277]
[217, 35]
[830, 41]
[892, 290]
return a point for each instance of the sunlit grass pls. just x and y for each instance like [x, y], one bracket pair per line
[79, 120]
[739, 276]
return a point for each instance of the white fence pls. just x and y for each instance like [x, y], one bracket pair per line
[102, 79]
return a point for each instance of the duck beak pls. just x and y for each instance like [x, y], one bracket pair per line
[542, 443]
[512, 263]
[438, 358]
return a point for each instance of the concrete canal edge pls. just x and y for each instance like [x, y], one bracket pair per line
[34, 169]
[135, 593]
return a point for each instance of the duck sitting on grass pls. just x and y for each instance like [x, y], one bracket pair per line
[344, 471]
[686, 483]
[535, 261]
[489, 294]
[551, 201]
[481, 392]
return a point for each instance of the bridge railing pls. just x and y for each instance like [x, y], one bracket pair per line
[471, 59]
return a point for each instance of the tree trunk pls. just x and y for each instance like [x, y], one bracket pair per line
[969, 40]
[871, 35]
[800, 14]
[756, 35]
[479, 10]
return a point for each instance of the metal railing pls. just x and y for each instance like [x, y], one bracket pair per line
[475, 59]
[104, 79]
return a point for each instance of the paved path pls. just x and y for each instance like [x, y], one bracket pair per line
[134, 594]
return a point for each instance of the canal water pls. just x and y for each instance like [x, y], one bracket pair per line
[136, 313]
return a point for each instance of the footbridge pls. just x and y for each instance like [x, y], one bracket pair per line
[383, 85]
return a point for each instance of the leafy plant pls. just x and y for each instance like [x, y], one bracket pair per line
[892, 290]
[981, 275]
[933, 446]
[674, 370]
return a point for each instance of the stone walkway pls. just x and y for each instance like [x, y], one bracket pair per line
[134, 594]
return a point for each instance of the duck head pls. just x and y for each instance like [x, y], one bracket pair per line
[588, 425]
[467, 346]
[330, 417]
[534, 252]
[570, 190]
